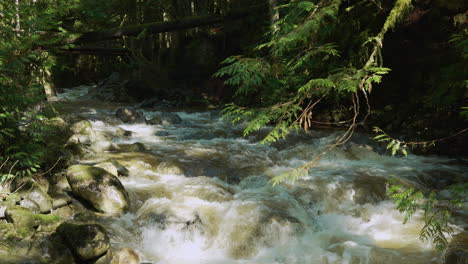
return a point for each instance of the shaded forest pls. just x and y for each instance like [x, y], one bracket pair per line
[395, 70]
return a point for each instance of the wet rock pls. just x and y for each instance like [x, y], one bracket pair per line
[86, 241]
[101, 189]
[60, 200]
[10, 199]
[129, 115]
[103, 146]
[169, 167]
[113, 167]
[105, 259]
[78, 149]
[135, 147]
[111, 120]
[64, 212]
[59, 183]
[34, 196]
[26, 222]
[109, 167]
[369, 189]
[8, 230]
[162, 134]
[125, 256]
[121, 170]
[83, 127]
[52, 250]
[123, 133]
[136, 160]
[166, 119]
[457, 251]
[79, 139]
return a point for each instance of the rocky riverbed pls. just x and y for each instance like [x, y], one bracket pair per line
[151, 186]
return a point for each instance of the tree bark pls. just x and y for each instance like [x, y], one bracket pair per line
[165, 26]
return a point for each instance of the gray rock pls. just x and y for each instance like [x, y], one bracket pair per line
[166, 119]
[103, 146]
[135, 147]
[121, 170]
[125, 256]
[101, 189]
[129, 115]
[83, 127]
[34, 197]
[87, 241]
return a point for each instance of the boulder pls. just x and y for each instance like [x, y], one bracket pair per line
[166, 119]
[109, 167]
[457, 251]
[22, 219]
[122, 133]
[135, 147]
[83, 127]
[113, 167]
[111, 120]
[101, 146]
[26, 223]
[121, 170]
[129, 115]
[125, 256]
[34, 196]
[86, 241]
[101, 189]
[169, 167]
[369, 189]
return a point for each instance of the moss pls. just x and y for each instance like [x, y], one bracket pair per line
[49, 219]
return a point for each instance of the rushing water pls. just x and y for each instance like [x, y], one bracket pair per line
[200, 194]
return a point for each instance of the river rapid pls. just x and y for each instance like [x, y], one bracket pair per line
[200, 194]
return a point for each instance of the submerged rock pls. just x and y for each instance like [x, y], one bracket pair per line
[135, 147]
[166, 119]
[101, 189]
[369, 189]
[86, 241]
[129, 115]
[169, 167]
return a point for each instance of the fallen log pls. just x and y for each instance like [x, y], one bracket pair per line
[166, 26]
[96, 51]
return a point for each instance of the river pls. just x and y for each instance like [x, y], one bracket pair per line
[200, 194]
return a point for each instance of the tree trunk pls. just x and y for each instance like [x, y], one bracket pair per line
[166, 26]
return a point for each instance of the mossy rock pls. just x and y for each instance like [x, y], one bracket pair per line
[26, 223]
[86, 241]
[22, 219]
[101, 189]
[170, 167]
[83, 127]
[125, 256]
[109, 167]
[135, 147]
